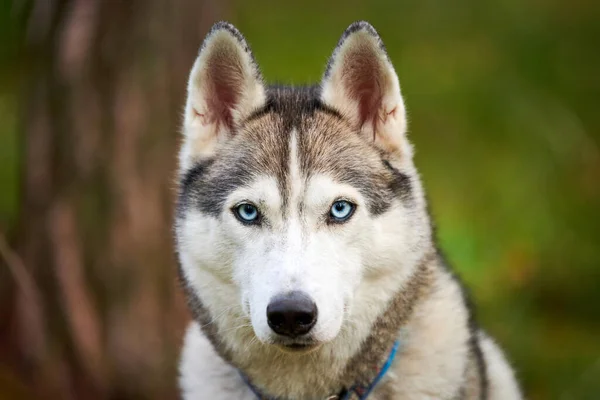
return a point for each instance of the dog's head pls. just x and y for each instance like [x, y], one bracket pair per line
[292, 200]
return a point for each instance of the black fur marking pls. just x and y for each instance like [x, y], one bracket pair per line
[474, 343]
[188, 185]
[213, 191]
[481, 365]
[400, 185]
[208, 183]
[292, 103]
[379, 197]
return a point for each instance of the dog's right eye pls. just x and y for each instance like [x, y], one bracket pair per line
[247, 213]
[341, 211]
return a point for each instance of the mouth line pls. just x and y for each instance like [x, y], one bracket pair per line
[297, 347]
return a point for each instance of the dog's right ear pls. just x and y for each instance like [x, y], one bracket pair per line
[224, 86]
[362, 84]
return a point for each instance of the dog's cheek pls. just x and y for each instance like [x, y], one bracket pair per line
[200, 237]
[389, 246]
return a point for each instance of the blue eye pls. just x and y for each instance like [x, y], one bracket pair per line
[341, 211]
[246, 212]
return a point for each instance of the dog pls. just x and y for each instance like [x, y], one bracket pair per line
[305, 246]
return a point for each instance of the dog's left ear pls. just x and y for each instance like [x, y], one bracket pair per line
[361, 83]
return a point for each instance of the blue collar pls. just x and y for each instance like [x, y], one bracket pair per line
[362, 392]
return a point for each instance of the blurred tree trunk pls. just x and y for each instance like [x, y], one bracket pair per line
[103, 317]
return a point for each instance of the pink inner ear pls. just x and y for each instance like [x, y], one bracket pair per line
[222, 102]
[224, 94]
[361, 76]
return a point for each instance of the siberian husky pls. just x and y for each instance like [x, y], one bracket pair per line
[306, 249]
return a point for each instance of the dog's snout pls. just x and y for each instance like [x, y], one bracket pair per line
[292, 314]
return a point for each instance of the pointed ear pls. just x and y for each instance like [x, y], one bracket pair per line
[361, 83]
[225, 86]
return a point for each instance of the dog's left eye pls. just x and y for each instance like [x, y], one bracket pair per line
[247, 213]
[341, 211]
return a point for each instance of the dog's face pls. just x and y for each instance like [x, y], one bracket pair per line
[292, 198]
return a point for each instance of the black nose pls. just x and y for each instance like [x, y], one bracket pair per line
[292, 314]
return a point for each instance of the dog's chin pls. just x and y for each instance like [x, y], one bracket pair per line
[300, 345]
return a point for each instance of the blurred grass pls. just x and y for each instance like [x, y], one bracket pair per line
[503, 100]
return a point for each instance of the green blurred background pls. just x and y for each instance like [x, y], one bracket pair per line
[503, 99]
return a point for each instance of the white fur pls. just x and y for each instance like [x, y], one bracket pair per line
[205, 375]
[503, 384]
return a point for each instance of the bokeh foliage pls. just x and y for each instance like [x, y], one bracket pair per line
[503, 99]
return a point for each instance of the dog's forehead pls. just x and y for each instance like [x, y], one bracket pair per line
[294, 124]
[320, 138]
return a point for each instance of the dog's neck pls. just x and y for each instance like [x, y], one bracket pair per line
[362, 391]
[387, 326]
[327, 371]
